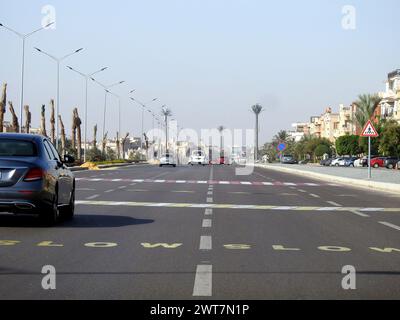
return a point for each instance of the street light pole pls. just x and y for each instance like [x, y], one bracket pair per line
[106, 91]
[58, 61]
[23, 37]
[86, 77]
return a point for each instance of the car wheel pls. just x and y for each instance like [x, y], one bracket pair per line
[51, 215]
[69, 211]
[337, 165]
[161, 165]
[376, 165]
[174, 165]
[390, 166]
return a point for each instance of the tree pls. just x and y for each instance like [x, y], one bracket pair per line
[389, 143]
[77, 127]
[322, 149]
[63, 138]
[257, 109]
[348, 145]
[124, 140]
[14, 121]
[166, 113]
[52, 123]
[94, 155]
[104, 143]
[3, 106]
[95, 136]
[110, 155]
[118, 146]
[28, 119]
[366, 106]
[43, 121]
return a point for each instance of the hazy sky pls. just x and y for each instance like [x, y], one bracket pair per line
[208, 60]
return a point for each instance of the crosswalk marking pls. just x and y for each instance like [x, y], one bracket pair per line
[212, 182]
[233, 206]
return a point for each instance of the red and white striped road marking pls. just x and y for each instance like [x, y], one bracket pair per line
[213, 182]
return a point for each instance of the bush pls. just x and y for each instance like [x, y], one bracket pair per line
[94, 155]
[348, 145]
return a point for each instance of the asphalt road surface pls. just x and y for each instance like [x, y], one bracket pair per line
[144, 232]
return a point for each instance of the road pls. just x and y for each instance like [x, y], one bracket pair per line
[144, 232]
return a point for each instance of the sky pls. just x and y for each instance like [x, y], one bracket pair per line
[209, 61]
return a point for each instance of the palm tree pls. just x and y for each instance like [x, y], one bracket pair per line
[366, 106]
[166, 112]
[14, 122]
[78, 123]
[281, 136]
[43, 121]
[221, 143]
[257, 109]
[3, 105]
[52, 123]
[95, 137]
[28, 118]
[62, 134]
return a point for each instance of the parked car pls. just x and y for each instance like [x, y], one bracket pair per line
[337, 162]
[326, 162]
[364, 160]
[34, 179]
[349, 162]
[391, 162]
[288, 159]
[167, 160]
[358, 162]
[378, 162]
[398, 165]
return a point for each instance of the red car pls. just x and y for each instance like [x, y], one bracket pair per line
[378, 162]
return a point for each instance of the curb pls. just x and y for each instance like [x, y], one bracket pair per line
[363, 184]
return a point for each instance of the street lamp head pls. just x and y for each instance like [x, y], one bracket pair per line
[132, 91]
[104, 69]
[38, 49]
[49, 24]
[1, 25]
[70, 68]
[80, 49]
[121, 82]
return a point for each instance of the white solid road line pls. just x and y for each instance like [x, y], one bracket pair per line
[205, 243]
[207, 223]
[93, 197]
[203, 281]
[359, 213]
[390, 225]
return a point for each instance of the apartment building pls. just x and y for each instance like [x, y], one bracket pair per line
[390, 104]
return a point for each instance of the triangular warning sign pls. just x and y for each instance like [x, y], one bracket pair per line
[369, 130]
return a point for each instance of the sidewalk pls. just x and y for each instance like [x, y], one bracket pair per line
[382, 179]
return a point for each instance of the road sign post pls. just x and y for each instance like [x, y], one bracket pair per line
[370, 132]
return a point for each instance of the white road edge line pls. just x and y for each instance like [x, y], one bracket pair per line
[390, 225]
[205, 243]
[203, 281]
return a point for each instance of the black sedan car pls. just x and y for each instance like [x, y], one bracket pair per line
[391, 162]
[34, 179]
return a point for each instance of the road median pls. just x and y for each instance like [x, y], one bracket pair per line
[354, 182]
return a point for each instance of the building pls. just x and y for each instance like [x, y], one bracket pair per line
[390, 104]
[300, 129]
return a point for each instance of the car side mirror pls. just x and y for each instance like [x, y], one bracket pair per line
[69, 159]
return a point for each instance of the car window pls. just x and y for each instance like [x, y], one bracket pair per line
[49, 154]
[53, 151]
[17, 148]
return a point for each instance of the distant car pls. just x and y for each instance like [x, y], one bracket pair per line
[364, 160]
[167, 160]
[326, 162]
[349, 162]
[198, 157]
[378, 162]
[337, 162]
[391, 162]
[34, 179]
[358, 162]
[288, 159]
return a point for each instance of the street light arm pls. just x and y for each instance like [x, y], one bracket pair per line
[70, 54]
[47, 54]
[45, 27]
[12, 30]
[72, 69]
[98, 71]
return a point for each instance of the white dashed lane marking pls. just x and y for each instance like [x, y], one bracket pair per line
[207, 223]
[93, 197]
[390, 225]
[203, 281]
[205, 243]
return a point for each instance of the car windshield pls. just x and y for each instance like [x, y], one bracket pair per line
[17, 148]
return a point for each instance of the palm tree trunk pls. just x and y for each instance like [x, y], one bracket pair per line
[3, 106]
[78, 123]
[43, 121]
[28, 118]
[123, 144]
[118, 146]
[63, 139]
[256, 141]
[95, 137]
[103, 144]
[15, 124]
[52, 123]
[73, 138]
